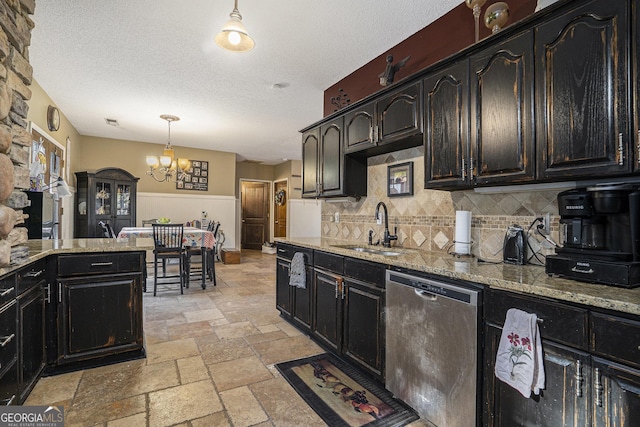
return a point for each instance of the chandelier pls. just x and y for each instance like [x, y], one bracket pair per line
[167, 168]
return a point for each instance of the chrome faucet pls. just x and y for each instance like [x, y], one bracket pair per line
[386, 237]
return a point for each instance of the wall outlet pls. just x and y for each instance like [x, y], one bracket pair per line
[337, 217]
[546, 223]
[379, 218]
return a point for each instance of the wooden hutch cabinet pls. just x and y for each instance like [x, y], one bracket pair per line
[107, 195]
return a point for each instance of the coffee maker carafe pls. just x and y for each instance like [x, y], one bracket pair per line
[599, 235]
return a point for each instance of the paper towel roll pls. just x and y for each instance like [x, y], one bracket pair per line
[463, 233]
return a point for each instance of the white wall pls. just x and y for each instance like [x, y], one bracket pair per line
[181, 208]
[304, 218]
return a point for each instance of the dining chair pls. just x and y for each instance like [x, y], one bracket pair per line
[107, 230]
[167, 240]
[195, 253]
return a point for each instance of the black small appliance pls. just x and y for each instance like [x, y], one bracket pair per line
[599, 235]
[514, 249]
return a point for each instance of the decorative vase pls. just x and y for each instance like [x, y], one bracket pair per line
[496, 16]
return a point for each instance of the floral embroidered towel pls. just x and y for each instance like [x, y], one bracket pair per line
[519, 361]
[297, 272]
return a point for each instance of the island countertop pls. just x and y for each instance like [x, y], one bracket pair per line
[525, 279]
[39, 249]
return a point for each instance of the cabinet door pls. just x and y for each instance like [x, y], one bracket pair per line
[302, 302]
[581, 92]
[331, 160]
[502, 146]
[363, 340]
[563, 402]
[99, 316]
[310, 145]
[359, 129]
[327, 304]
[446, 105]
[400, 114]
[283, 290]
[616, 389]
[31, 351]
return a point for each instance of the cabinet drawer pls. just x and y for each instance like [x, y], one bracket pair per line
[7, 289]
[31, 276]
[103, 263]
[287, 251]
[365, 271]
[9, 385]
[8, 336]
[330, 262]
[558, 322]
[615, 338]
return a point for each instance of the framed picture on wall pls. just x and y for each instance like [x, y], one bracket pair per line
[400, 179]
[196, 177]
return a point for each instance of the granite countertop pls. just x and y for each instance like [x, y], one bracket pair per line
[39, 249]
[529, 279]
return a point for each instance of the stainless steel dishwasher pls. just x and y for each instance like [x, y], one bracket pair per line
[432, 347]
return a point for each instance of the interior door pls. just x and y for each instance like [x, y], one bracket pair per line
[255, 214]
[280, 209]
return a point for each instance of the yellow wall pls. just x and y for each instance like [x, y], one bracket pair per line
[97, 153]
[38, 105]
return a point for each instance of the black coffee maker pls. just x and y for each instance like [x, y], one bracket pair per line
[599, 235]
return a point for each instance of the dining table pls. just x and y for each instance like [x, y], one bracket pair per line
[192, 237]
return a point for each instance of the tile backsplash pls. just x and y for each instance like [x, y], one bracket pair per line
[426, 220]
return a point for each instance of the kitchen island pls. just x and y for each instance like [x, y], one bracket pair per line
[589, 332]
[74, 304]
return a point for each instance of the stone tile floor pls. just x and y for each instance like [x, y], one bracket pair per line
[210, 357]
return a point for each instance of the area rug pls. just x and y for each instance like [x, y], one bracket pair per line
[341, 396]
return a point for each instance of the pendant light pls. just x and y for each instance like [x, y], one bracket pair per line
[234, 35]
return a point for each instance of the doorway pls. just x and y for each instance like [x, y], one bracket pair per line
[280, 197]
[255, 214]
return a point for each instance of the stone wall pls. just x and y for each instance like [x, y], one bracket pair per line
[15, 79]
[426, 220]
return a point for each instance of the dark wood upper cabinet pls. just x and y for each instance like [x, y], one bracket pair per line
[326, 171]
[331, 159]
[310, 144]
[399, 114]
[581, 88]
[359, 129]
[446, 107]
[392, 122]
[502, 138]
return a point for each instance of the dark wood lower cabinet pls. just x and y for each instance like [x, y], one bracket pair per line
[88, 329]
[364, 325]
[31, 353]
[563, 402]
[294, 302]
[327, 308]
[616, 400]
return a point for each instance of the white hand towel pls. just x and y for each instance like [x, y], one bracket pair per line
[519, 361]
[297, 272]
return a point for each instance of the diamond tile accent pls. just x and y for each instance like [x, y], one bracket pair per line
[441, 240]
[357, 233]
[418, 238]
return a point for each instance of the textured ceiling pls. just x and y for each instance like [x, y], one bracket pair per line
[135, 60]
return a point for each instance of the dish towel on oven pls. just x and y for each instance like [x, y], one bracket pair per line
[297, 273]
[519, 361]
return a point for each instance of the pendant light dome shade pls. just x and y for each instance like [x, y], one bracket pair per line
[234, 35]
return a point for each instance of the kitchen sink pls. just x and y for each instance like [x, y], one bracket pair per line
[375, 251]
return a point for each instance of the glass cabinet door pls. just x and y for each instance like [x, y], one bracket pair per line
[123, 204]
[103, 198]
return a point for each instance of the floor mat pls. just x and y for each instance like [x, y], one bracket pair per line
[341, 396]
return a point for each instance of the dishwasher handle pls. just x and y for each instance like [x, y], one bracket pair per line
[426, 294]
